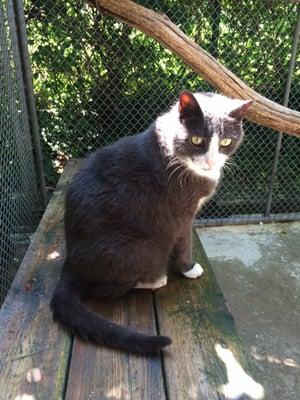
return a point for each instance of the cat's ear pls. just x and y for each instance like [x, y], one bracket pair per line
[240, 111]
[188, 106]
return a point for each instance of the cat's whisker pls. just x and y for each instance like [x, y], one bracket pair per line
[232, 164]
[177, 168]
[230, 167]
[180, 177]
[173, 165]
[189, 173]
[184, 175]
[172, 162]
[183, 179]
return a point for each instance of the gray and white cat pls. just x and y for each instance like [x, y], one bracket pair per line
[131, 207]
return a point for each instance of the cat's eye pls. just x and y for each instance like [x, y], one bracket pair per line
[197, 140]
[225, 142]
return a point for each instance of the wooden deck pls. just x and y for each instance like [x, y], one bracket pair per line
[41, 360]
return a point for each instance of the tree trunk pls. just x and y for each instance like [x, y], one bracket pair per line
[264, 112]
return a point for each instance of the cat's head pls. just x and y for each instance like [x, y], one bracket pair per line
[203, 130]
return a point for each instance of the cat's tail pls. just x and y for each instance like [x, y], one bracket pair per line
[76, 317]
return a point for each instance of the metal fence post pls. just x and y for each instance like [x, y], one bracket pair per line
[20, 201]
[285, 103]
[30, 100]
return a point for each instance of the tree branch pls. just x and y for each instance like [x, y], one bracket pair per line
[264, 112]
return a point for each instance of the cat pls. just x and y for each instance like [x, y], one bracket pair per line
[130, 209]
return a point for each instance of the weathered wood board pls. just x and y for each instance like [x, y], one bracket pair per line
[39, 359]
[195, 315]
[32, 347]
[101, 373]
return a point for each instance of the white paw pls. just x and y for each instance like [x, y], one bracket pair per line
[194, 272]
[161, 282]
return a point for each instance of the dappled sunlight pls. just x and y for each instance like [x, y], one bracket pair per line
[288, 362]
[34, 375]
[118, 392]
[25, 397]
[239, 382]
[53, 255]
[193, 392]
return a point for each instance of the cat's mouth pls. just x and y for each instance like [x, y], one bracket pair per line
[200, 169]
[208, 168]
[202, 166]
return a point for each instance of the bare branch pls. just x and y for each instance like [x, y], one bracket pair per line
[264, 112]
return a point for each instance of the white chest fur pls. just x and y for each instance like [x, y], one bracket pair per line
[202, 201]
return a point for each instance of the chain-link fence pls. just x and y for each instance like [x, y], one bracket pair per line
[97, 79]
[19, 199]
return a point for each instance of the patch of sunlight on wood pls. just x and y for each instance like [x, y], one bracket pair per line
[118, 393]
[52, 256]
[25, 397]
[34, 375]
[239, 382]
[289, 362]
[193, 392]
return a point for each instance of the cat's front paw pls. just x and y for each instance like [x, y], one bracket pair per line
[194, 272]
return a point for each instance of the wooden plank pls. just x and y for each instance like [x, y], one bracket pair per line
[195, 315]
[102, 373]
[34, 350]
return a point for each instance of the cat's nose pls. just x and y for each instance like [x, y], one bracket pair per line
[210, 162]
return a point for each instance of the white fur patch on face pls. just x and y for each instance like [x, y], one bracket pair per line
[194, 272]
[208, 165]
[168, 127]
[196, 167]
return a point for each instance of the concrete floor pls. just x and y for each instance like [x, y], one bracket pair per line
[258, 269]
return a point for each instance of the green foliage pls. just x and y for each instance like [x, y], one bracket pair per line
[97, 79]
